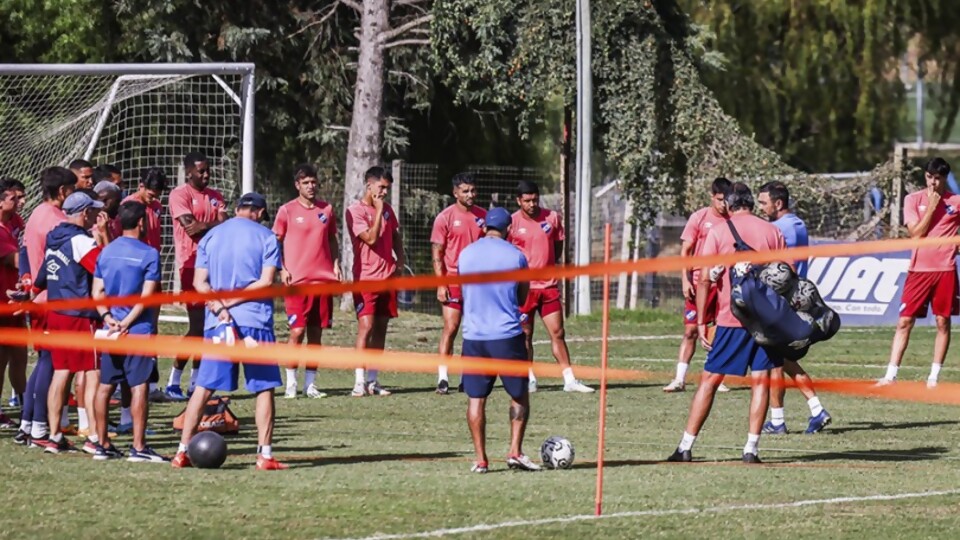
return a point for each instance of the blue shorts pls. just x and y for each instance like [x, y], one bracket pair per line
[222, 375]
[480, 386]
[135, 369]
[734, 351]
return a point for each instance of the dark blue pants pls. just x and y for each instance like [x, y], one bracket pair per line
[38, 386]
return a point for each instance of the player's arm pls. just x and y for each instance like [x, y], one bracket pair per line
[193, 227]
[149, 287]
[523, 289]
[371, 235]
[398, 249]
[703, 289]
[98, 292]
[686, 250]
[267, 275]
[918, 228]
[335, 247]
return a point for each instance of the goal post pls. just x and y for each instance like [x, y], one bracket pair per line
[133, 116]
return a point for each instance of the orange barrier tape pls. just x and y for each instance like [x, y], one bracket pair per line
[311, 355]
[660, 264]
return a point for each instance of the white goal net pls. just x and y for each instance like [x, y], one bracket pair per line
[132, 117]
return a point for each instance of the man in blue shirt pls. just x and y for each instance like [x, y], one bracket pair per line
[491, 329]
[774, 199]
[125, 267]
[237, 254]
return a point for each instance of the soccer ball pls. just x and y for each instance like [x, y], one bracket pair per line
[557, 453]
[778, 276]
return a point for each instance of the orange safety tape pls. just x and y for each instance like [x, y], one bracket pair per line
[660, 264]
[283, 354]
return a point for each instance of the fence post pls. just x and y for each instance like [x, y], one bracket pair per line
[899, 165]
[397, 166]
[623, 282]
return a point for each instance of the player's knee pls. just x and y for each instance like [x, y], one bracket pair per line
[297, 334]
[558, 334]
[905, 324]
[689, 332]
[943, 324]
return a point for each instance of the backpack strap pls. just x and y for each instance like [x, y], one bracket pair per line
[738, 244]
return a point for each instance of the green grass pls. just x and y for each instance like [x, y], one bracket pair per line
[399, 464]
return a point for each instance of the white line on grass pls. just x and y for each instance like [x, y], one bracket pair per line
[483, 527]
[595, 339]
[812, 362]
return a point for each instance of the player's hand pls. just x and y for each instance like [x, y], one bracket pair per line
[193, 228]
[285, 277]
[378, 204]
[933, 199]
[102, 220]
[443, 294]
[704, 338]
[688, 291]
[337, 273]
[112, 324]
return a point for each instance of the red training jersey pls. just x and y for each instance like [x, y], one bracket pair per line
[205, 206]
[537, 238]
[376, 261]
[307, 235]
[455, 229]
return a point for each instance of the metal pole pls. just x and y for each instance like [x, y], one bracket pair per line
[584, 148]
[249, 89]
[565, 183]
[102, 119]
[197, 68]
[624, 279]
[920, 110]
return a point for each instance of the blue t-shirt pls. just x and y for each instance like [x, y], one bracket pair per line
[795, 234]
[124, 265]
[235, 253]
[490, 310]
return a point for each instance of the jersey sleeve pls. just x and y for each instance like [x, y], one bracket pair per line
[280, 223]
[439, 233]
[152, 266]
[357, 221]
[333, 227]
[689, 233]
[203, 261]
[911, 210]
[8, 244]
[271, 252]
[559, 233]
[179, 204]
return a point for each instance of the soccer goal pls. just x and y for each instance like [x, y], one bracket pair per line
[132, 116]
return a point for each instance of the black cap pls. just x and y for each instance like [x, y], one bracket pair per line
[254, 200]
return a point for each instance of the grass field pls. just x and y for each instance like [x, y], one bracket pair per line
[399, 465]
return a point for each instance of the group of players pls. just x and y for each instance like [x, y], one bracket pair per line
[86, 241]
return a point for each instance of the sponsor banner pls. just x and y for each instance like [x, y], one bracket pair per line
[865, 290]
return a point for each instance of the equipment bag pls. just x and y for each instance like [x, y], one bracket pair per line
[217, 417]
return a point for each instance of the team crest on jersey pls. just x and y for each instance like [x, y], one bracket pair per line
[708, 224]
[522, 230]
[156, 212]
[214, 203]
[322, 217]
[546, 227]
[951, 210]
[922, 207]
[456, 223]
[386, 215]
[690, 315]
[480, 222]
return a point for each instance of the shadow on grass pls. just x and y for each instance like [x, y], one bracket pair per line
[304, 461]
[873, 426]
[923, 453]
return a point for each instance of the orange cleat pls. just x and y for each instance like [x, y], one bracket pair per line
[181, 461]
[270, 464]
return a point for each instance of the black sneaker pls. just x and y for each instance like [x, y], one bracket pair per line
[102, 453]
[443, 387]
[751, 458]
[59, 447]
[679, 456]
[21, 438]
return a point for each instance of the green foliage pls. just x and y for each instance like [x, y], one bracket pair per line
[56, 31]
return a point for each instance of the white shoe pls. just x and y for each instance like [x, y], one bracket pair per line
[291, 392]
[675, 386]
[359, 390]
[312, 392]
[522, 463]
[931, 383]
[577, 386]
[723, 388]
[532, 386]
[885, 382]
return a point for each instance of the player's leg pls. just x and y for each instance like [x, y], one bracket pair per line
[297, 335]
[940, 347]
[5, 421]
[296, 308]
[42, 379]
[901, 338]
[759, 399]
[195, 316]
[320, 317]
[80, 395]
[101, 402]
[378, 341]
[140, 411]
[527, 314]
[918, 289]
[819, 417]
[778, 390]
[552, 314]
[451, 326]
[261, 380]
[478, 388]
[364, 330]
[126, 402]
[688, 344]
[191, 418]
[26, 409]
[91, 389]
[137, 372]
[17, 368]
[56, 397]
[945, 303]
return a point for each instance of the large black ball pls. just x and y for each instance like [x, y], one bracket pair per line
[207, 450]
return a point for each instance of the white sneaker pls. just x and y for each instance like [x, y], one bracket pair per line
[723, 388]
[313, 392]
[577, 386]
[675, 386]
[522, 463]
[359, 390]
[532, 386]
[291, 392]
[885, 382]
[931, 383]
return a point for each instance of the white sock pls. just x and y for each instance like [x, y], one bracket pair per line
[193, 380]
[125, 416]
[681, 371]
[776, 416]
[753, 441]
[934, 372]
[58, 437]
[266, 451]
[175, 376]
[94, 438]
[372, 375]
[82, 421]
[38, 430]
[291, 378]
[815, 406]
[151, 388]
[442, 374]
[181, 448]
[532, 377]
[891, 372]
[686, 443]
[359, 376]
[26, 426]
[65, 416]
[568, 377]
[309, 376]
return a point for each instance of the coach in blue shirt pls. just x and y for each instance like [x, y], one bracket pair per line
[491, 329]
[237, 254]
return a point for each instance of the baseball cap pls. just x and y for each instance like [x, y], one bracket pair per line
[79, 201]
[498, 218]
[254, 200]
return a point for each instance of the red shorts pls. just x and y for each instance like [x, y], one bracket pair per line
[542, 301]
[303, 310]
[186, 285]
[75, 360]
[13, 321]
[690, 309]
[454, 298]
[378, 304]
[924, 288]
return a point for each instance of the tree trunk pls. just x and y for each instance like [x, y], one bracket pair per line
[366, 127]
